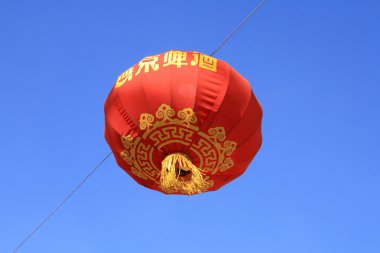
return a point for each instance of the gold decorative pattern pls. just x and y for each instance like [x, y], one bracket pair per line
[146, 120]
[167, 127]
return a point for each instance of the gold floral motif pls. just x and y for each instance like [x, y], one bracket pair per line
[187, 116]
[217, 133]
[128, 153]
[168, 127]
[165, 113]
[146, 120]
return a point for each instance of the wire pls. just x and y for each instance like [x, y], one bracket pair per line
[62, 203]
[238, 27]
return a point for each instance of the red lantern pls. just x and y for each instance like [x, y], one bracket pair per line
[182, 122]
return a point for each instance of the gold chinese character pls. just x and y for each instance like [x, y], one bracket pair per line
[175, 58]
[204, 61]
[207, 62]
[148, 62]
[195, 61]
[126, 75]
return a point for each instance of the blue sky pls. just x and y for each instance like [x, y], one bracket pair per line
[313, 187]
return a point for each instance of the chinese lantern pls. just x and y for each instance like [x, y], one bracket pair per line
[182, 122]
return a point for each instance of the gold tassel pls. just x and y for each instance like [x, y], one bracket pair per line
[179, 174]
